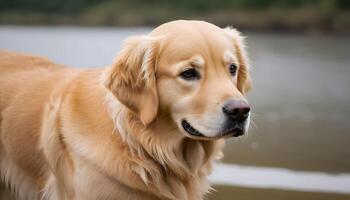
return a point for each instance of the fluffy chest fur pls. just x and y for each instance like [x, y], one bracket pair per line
[151, 161]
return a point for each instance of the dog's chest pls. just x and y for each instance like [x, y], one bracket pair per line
[93, 184]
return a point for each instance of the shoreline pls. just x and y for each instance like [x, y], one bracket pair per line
[307, 20]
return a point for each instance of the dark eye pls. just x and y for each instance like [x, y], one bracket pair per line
[233, 69]
[190, 74]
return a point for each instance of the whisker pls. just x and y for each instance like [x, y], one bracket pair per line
[254, 124]
[254, 114]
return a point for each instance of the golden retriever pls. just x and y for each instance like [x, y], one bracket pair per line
[149, 126]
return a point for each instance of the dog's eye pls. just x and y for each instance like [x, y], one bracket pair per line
[190, 74]
[233, 69]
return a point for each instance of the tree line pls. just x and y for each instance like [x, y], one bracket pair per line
[73, 6]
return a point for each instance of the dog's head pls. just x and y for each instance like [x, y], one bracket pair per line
[193, 72]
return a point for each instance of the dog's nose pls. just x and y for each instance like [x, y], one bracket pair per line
[238, 110]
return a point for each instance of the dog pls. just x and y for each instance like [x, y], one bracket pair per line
[149, 126]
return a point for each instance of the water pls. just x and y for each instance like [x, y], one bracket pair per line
[300, 101]
[278, 178]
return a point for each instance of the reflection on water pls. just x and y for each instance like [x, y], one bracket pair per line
[300, 97]
[278, 178]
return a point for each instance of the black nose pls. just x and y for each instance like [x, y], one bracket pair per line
[238, 110]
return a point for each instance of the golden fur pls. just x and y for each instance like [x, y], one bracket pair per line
[114, 133]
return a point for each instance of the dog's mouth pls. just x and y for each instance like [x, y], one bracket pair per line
[234, 131]
[190, 129]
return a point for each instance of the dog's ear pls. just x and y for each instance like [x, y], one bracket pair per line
[132, 77]
[244, 82]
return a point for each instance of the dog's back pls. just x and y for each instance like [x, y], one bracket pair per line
[26, 83]
[17, 70]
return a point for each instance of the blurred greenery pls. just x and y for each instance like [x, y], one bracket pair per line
[68, 6]
[255, 14]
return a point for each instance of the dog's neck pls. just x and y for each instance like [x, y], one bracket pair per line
[167, 162]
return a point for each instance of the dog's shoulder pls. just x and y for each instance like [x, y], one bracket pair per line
[14, 61]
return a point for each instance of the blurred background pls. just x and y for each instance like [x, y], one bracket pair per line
[311, 15]
[298, 146]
